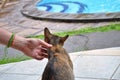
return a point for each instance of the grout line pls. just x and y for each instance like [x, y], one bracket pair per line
[92, 78]
[21, 26]
[20, 74]
[36, 32]
[5, 70]
[115, 72]
[99, 52]
[91, 55]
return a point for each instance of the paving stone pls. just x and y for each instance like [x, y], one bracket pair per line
[13, 28]
[96, 66]
[6, 67]
[32, 24]
[16, 29]
[15, 17]
[75, 43]
[100, 40]
[18, 77]
[28, 32]
[115, 51]
[2, 24]
[29, 67]
[91, 41]
[73, 57]
[11, 52]
[82, 79]
[7, 27]
[117, 74]
[88, 79]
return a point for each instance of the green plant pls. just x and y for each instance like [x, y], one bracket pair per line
[110, 27]
[86, 30]
[13, 59]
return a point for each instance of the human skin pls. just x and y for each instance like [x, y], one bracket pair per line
[31, 47]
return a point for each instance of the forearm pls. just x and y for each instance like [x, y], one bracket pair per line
[29, 46]
[4, 36]
[17, 43]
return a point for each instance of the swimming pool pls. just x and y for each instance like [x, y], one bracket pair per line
[72, 10]
[79, 6]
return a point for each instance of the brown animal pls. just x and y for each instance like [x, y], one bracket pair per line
[59, 66]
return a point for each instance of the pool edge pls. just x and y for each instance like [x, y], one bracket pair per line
[30, 10]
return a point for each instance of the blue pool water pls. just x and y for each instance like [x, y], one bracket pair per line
[79, 6]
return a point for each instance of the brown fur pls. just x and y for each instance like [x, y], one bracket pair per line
[59, 66]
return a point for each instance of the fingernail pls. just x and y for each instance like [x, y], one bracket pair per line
[50, 45]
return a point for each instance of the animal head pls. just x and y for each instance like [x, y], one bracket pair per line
[54, 39]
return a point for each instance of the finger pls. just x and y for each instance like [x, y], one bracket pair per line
[45, 56]
[41, 49]
[40, 53]
[38, 57]
[44, 50]
[44, 44]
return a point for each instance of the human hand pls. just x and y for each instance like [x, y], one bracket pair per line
[34, 48]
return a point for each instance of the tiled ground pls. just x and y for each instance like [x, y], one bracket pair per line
[117, 73]
[19, 77]
[96, 66]
[86, 67]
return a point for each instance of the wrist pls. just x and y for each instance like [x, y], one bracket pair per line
[19, 43]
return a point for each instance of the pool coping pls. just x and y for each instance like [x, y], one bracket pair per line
[31, 11]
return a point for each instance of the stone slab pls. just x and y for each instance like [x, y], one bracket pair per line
[88, 79]
[100, 40]
[85, 79]
[91, 41]
[2, 24]
[117, 74]
[6, 67]
[18, 77]
[115, 51]
[85, 68]
[82, 79]
[28, 32]
[32, 67]
[96, 66]
[11, 52]
[73, 57]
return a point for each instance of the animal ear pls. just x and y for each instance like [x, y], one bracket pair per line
[47, 35]
[63, 39]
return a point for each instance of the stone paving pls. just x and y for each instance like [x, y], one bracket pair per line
[12, 20]
[91, 65]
